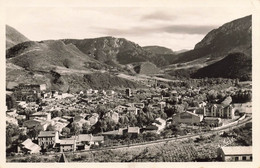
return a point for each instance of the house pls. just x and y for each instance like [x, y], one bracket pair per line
[48, 138]
[162, 104]
[202, 104]
[157, 97]
[138, 105]
[120, 108]
[84, 141]
[187, 118]
[28, 92]
[222, 111]
[198, 110]
[242, 108]
[45, 115]
[59, 123]
[30, 124]
[174, 92]
[212, 121]
[150, 128]
[28, 147]
[67, 145]
[118, 132]
[128, 92]
[235, 153]
[133, 131]
[160, 124]
[132, 110]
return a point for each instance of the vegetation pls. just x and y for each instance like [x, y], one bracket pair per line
[235, 65]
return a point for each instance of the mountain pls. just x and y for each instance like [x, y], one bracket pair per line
[13, 37]
[235, 65]
[158, 50]
[116, 51]
[161, 56]
[45, 55]
[110, 49]
[235, 36]
[60, 66]
[180, 51]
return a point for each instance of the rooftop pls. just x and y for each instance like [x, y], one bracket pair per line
[47, 134]
[67, 141]
[28, 144]
[133, 129]
[237, 150]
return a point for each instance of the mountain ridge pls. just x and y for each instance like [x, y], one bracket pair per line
[13, 37]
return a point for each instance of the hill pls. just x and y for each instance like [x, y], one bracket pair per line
[162, 56]
[110, 49]
[158, 50]
[107, 81]
[235, 65]
[235, 36]
[72, 82]
[13, 37]
[115, 51]
[46, 55]
[146, 68]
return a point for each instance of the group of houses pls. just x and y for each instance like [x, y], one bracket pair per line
[51, 140]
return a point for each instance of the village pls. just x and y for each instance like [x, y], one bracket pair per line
[41, 120]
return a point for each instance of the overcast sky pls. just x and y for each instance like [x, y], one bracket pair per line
[175, 28]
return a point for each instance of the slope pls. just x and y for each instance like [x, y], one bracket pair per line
[235, 65]
[45, 55]
[13, 37]
[235, 36]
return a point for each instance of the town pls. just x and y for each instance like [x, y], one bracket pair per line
[41, 121]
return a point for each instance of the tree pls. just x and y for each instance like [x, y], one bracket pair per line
[65, 131]
[33, 133]
[50, 128]
[11, 131]
[75, 128]
[86, 127]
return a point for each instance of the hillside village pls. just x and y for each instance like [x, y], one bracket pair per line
[55, 121]
[108, 99]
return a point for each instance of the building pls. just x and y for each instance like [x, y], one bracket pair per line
[212, 121]
[128, 92]
[133, 131]
[222, 111]
[28, 147]
[67, 145]
[160, 124]
[45, 115]
[84, 141]
[187, 118]
[235, 153]
[29, 92]
[198, 110]
[243, 108]
[48, 138]
[132, 110]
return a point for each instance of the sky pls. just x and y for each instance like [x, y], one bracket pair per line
[174, 28]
